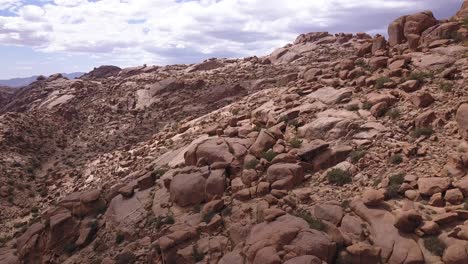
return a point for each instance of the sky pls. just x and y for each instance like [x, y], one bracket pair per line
[50, 36]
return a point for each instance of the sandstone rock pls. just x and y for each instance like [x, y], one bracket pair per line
[454, 196]
[422, 99]
[431, 185]
[372, 197]
[188, 189]
[285, 176]
[329, 212]
[408, 221]
[395, 247]
[264, 141]
[306, 259]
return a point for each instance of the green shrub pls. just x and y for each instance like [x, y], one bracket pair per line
[269, 155]
[197, 208]
[394, 113]
[420, 76]
[197, 255]
[34, 210]
[423, 131]
[339, 177]
[208, 216]
[356, 155]
[397, 179]
[69, 248]
[379, 83]
[396, 159]
[313, 222]
[157, 173]
[251, 164]
[295, 143]
[119, 238]
[394, 184]
[19, 224]
[352, 107]
[446, 86]
[366, 105]
[434, 245]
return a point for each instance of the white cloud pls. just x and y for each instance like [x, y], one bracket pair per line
[169, 31]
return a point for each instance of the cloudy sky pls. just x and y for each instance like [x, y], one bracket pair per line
[48, 36]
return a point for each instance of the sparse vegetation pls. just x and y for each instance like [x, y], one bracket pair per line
[423, 131]
[69, 248]
[352, 107]
[159, 221]
[366, 105]
[394, 113]
[379, 83]
[197, 255]
[295, 143]
[313, 222]
[394, 184]
[396, 159]
[356, 155]
[269, 155]
[208, 216]
[420, 76]
[251, 164]
[434, 245]
[339, 177]
[158, 172]
[446, 86]
[119, 238]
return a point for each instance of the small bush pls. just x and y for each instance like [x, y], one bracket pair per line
[420, 76]
[295, 143]
[284, 119]
[197, 208]
[379, 83]
[313, 222]
[157, 173]
[465, 22]
[339, 177]
[356, 155]
[434, 245]
[34, 210]
[19, 224]
[119, 238]
[269, 155]
[353, 107]
[366, 105]
[252, 164]
[446, 86]
[465, 204]
[423, 131]
[293, 123]
[208, 216]
[396, 159]
[170, 220]
[397, 179]
[69, 248]
[394, 113]
[197, 255]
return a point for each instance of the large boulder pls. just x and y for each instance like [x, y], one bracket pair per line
[290, 232]
[400, 29]
[396, 246]
[188, 189]
[463, 12]
[285, 175]
[208, 152]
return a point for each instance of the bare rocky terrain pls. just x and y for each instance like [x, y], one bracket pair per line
[340, 148]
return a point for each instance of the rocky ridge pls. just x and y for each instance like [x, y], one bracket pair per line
[334, 149]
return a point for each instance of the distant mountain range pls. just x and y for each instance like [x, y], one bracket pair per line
[19, 82]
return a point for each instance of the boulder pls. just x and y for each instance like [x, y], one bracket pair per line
[285, 176]
[188, 189]
[292, 232]
[265, 140]
[396, 247]
[408, 221]
[431, 185]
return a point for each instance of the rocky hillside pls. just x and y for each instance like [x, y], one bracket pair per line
[340, 148]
